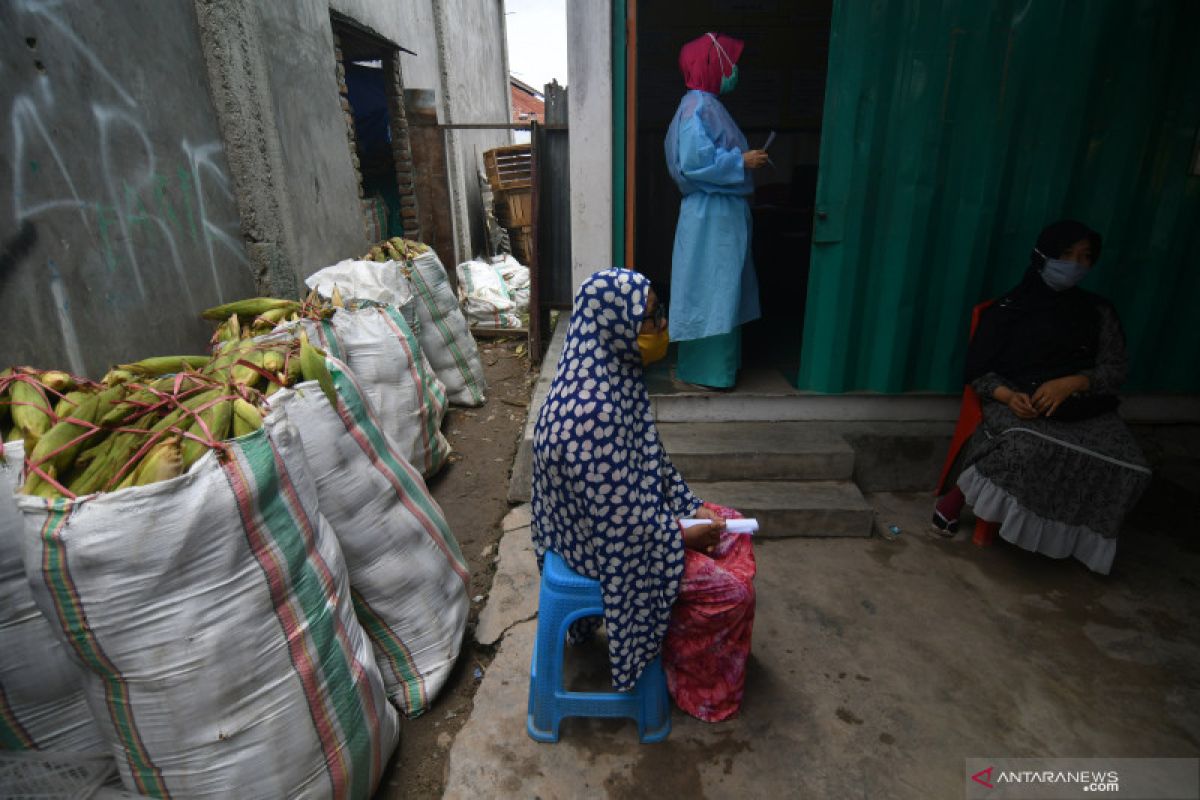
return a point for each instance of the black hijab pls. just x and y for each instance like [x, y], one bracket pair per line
[1034, 333]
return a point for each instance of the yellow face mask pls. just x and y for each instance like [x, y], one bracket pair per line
[653, 346]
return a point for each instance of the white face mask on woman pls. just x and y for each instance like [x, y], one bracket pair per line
[1060, 275]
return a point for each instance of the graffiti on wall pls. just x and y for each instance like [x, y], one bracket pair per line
[140, 207]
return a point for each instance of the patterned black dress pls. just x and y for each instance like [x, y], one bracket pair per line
[1058, 488]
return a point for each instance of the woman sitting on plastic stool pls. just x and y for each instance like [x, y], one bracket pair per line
[607, 499]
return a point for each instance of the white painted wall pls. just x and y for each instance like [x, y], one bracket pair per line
[474, 89]
[589, 76]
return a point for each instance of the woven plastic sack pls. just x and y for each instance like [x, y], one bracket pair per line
[516, 280]
[410, 582]
[362, 280]
[41, 696]
[213, 615]
[484, 297]
[380, 347]
[443, 331]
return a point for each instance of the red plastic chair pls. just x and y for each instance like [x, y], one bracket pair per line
[970, 414]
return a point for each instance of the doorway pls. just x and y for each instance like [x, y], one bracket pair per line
[372, 94]
[781, 89]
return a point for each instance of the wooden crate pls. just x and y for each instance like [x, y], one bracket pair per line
[509, 167]
[522, 243]
[514, 208]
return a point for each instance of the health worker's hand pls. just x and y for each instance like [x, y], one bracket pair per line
[753, 159]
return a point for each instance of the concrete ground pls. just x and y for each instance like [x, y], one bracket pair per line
[878, 666]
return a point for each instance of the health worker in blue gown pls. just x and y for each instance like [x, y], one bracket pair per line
[713, 286]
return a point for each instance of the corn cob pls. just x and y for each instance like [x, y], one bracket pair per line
[143, 399]
[228, 353]
[116, 376]
[56, 447]
[106, 463]
[163, 365]
[273, 360]
[245, 375]
[162, 462]
[246, 417]
[248, 308]
[110, 456]
[313, 368]
[69, 402]
[56, 380]
[31, 412]
[218, 418]
[276, 315]
[227, 331]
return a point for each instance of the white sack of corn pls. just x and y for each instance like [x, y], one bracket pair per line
[362, 280]
[379, 346]
[213, 615]
[444, 334]
[410, 581]
[485, 298]
[516, 280]
[41, 697]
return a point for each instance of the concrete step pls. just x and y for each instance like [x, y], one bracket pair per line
[763, 451]
[787, 509]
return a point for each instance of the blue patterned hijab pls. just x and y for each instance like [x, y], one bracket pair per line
[605, 495]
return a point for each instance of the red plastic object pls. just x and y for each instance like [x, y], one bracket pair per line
[970, 414]
[985, 532]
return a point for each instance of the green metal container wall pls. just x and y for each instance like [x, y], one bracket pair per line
[954, 131]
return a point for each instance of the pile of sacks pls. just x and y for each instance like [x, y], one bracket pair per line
[494, 293]
[240, 627]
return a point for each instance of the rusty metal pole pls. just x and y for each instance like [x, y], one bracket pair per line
[535, 303]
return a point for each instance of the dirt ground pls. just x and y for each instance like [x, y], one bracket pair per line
[472, 491]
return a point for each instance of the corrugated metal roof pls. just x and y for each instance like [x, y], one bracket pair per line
[954, 131]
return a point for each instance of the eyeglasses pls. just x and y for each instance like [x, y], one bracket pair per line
[657, 315]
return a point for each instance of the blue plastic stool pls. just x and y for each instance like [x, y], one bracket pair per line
[565, 597]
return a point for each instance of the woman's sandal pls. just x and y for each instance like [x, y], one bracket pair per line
[942, 526]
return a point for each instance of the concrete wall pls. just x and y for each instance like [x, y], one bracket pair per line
[117, 218]
[589, 70]
[474, 90]
[164, 157]
[318, 176]
[408, 24]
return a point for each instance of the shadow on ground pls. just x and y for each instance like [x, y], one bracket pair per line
[879, 665]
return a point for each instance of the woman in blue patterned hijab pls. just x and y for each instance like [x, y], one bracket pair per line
[607, 499]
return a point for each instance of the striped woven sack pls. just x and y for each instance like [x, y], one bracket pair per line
[443, 331]
[409, 579]
[484, 297]
[380, 347]
[213, 615]
[41, 696]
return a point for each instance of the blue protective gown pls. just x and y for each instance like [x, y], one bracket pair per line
[713, 285]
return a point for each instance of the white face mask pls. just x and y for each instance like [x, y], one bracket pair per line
[1059, 274]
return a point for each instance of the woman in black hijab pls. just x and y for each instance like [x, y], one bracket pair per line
[1052, 464]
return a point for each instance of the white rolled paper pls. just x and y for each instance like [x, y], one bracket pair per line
[748, 525]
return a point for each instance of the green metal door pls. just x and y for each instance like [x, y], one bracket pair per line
[954, 131]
